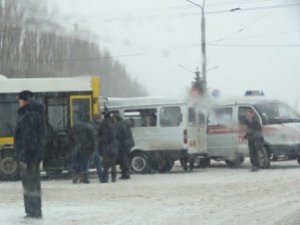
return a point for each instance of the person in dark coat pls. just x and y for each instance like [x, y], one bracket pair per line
[255, 138]
[84, 142]
[29, 141]
[95, 156]
[108, 148]
[125, 143]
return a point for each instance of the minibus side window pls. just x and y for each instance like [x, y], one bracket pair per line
[201, 118]
[192, 116]
[141, 117]
[220, 117]
[243, 114]
[170, 116]
[133, 117]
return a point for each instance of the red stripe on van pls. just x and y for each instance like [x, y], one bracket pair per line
[219, 129]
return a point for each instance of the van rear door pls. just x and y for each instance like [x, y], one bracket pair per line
[220, 140]
[192, 131]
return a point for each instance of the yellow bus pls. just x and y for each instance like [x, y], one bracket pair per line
[66, 100]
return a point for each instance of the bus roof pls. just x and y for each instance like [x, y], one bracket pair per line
[57, 84]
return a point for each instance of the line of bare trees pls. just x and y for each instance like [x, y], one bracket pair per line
[33, 45]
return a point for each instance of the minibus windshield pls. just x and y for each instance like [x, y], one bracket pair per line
[276, 113]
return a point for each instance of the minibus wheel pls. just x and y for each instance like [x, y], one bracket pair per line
[139, 163]
[203, 163]
[9, 168]
[168, 165]
[264, 158]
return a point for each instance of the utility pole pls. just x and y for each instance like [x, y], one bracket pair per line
[203, 43]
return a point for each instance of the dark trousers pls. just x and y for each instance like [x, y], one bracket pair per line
[95, 158]
[30, 175]
[80, 162]
[255, 144]
[125, 163]
[79, 166]
[110, 156]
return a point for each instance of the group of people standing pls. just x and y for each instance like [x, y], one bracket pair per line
[104, 143]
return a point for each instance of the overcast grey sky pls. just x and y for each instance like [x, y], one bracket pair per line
[167, 33]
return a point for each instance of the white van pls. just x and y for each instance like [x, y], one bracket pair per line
[164, 130]
[226, 131]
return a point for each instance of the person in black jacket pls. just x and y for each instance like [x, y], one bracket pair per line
[125, 143]
[255, 138]
[108, 147]
[29, 143]
[84, 144]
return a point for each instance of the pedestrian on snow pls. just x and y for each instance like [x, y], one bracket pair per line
[108, 148]
[84, 142]
[255, 138]
[95, 157]
[124, 142]
[29, 143]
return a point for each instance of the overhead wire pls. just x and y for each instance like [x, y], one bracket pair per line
[249, 24]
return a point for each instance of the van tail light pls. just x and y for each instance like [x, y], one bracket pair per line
[185, 136]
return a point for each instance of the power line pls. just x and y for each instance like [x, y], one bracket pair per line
[255, 45]
[247, 9]
[250, 24]
[263, 35]
[236, 2]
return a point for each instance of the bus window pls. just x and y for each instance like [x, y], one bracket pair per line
[170, 116]
[80, 109]
[8, 115]
[220, 117]
[58, 113]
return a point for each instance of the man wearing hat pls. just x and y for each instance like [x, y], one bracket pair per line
[29, 141]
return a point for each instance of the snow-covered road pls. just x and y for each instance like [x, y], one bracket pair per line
[216, 195]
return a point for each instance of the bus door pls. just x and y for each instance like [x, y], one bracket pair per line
[220, 139]
[80, 108]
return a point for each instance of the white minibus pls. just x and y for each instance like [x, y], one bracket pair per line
[164, 130]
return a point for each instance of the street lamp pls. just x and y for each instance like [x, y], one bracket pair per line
[203, 42]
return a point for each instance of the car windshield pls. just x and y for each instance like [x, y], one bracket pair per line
[276, 112]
